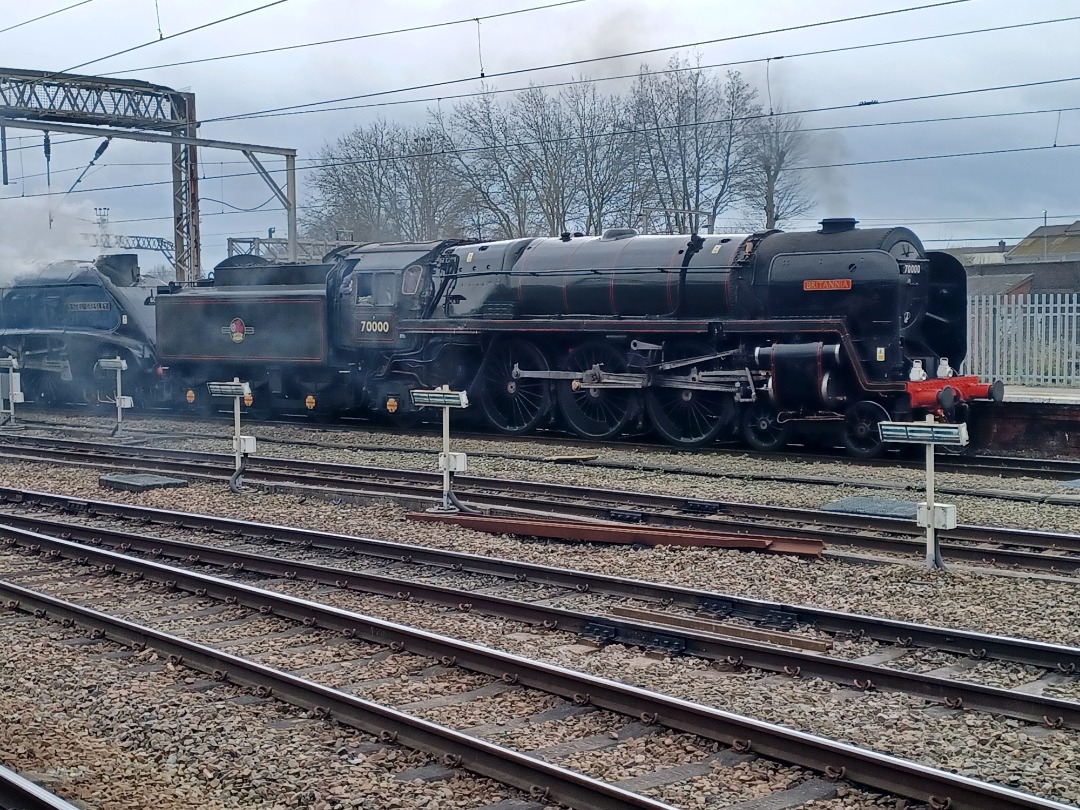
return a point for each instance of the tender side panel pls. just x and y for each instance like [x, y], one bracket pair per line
[274, 327]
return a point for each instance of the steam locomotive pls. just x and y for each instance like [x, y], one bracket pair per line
[767, 335]
[59, 321]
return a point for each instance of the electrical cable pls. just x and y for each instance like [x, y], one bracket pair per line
[576, 62]
[237, 208]
[264, 51]
[174, 36]
[43, 16]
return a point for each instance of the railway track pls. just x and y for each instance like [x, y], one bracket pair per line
[436, 656]
[1055, 469]
[733, 646]
[846, 535]
[19, 793]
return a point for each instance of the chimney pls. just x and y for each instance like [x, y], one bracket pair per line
[838, 225]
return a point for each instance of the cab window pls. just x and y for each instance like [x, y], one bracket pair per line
[410, 280]
[376, 289]
[363, 288]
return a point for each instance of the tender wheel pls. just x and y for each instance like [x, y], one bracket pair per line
[513, 405]
[761, 428]
[686, 417]
[861, 437]
[596, 413]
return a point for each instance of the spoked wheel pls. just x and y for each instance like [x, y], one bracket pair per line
[513, 405]
[762, 429]
[46, 388]
[596, 413]
[861, 437]
[686, 417]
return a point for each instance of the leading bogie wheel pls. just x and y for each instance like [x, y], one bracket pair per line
[860, 432]
[762, 428]
[513, 405]
[596, 413]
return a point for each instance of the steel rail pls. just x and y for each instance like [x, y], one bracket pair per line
[874, 769]
[967, 543]
[531, 774]
[1051, 711]
[1057, 469]
[18, 792]
[964, 642]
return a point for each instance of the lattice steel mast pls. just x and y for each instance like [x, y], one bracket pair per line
[119, 108]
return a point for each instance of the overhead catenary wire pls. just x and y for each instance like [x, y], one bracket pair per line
[177, 34]
[848, 164]
[45, 16]
[666, 127]
[595, 59]
[829, 128]
[340, 40]
[867, 124]
[495, 91]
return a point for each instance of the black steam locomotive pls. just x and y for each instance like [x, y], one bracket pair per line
[698, 337]
[59, 321]
[825, 333]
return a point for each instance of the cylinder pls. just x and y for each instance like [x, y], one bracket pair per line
[800, 373]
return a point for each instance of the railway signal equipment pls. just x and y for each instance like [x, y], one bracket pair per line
[932, 516]
[449, 463]
[119, 365]
[243, 446]
[12, 390]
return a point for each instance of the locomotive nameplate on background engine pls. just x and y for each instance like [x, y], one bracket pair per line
[813, 284]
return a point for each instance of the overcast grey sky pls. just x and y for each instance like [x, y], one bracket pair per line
[947, 201]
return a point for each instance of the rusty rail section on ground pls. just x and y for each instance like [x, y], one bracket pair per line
[621, 533]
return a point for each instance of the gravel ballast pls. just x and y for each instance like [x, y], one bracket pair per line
[1010, 752]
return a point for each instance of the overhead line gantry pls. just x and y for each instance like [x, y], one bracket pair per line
[139, 111]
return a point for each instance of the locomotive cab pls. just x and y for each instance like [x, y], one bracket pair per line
[373, 288]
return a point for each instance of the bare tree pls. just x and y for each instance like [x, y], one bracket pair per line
[606, 193]
[683, 147]
[353, 187]
[487, 161]
[547, 155]
[777, 191]
[387, 182]
[694, 142]
[430, 201]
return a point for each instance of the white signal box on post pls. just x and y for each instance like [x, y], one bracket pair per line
[924, 433]
[12, 390]
[930, 515]
[449, 463]
[119, 365]
[243, 446]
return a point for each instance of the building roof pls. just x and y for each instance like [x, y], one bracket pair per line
[1047, 277]
[1003, 284]
[1055, 241]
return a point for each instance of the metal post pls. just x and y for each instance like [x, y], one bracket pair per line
[1045, 257]
[236, 429]
[11, 396]
[933, 551]
[3, 155]
[446, 505]
[290, 205]
[119, 399]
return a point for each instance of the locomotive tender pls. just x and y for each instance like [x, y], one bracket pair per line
[826, 333]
